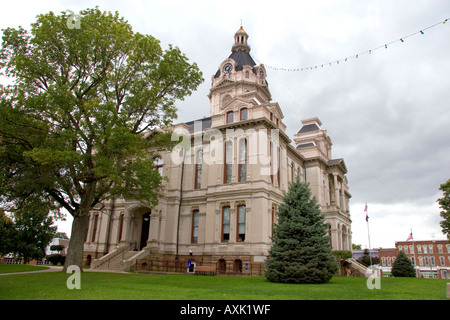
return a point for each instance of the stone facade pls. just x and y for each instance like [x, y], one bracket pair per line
[225, 181]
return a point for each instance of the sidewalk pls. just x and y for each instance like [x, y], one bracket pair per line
[50, 269]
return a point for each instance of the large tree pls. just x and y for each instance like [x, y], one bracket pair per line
[88, 109]
[444, 203]
[301, 250]
[34, 230]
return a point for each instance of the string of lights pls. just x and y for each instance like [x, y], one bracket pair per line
[354, 56]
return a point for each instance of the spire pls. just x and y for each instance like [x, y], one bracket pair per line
[240, 41]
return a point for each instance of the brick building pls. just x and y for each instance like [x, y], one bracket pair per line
[430, 257]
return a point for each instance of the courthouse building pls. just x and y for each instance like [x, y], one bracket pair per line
[225, 181]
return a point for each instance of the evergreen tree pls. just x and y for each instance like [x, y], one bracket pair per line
[301, 251]
[403, 267]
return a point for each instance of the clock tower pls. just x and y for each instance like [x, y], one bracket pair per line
[238, 83]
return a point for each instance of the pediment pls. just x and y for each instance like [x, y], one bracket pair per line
[237, 102]
[276, 110]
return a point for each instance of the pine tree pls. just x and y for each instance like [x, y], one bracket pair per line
[402, 266]
[301, 251]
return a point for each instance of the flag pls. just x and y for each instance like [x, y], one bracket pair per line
[367, 214]
[409, 237]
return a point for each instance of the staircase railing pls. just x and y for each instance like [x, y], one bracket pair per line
[106, 259]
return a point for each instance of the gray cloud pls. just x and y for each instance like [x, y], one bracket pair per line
[387, 113]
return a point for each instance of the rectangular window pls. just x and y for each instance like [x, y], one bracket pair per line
[198, 170]
[228, 166]
[243, 160]
[225, 224]
[278, 166]
[194, 237]
[86, 231]
[94, 231]
[419, 249]
[430, 248]
[271, 162]
[241, 223]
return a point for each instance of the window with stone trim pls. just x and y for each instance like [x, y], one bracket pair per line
[242, 174]
[198, 169]
[195, 221]
[228, 163]
[225, 224]
[240, 236]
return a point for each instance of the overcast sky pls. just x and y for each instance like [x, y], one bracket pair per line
[386, 112]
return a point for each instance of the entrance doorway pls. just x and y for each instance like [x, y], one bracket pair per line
[145, 230]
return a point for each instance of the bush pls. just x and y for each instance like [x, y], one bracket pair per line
[342, 254]
[56, 258]
[403, 267]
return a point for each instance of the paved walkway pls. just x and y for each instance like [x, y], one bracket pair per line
[50, 269]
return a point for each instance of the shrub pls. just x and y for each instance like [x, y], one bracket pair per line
[402, 266]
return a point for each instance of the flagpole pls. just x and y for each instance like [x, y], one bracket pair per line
[368, 234]
[414, 252]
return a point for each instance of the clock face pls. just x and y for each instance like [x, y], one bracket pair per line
[261, 73]
[227, 68]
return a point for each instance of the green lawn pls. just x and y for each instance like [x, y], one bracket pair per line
[10, 268]
[52, 285]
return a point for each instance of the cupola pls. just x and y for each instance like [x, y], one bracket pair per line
[240, 41]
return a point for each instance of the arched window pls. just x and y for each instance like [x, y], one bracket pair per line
[230, 117]
[237, 266]
[242, 160]
[222, 266]
[243, 114]
[198, 169]
[228, 166]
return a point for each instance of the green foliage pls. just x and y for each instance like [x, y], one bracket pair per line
[444, 203]
[56, 259]
[34, 230]
[7, 234]
[57, 247]
[301, 251]
[402, 266]
[87, 113]
[342, 254]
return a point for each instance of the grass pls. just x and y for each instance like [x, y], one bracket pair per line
[10, 268]
[106, 286]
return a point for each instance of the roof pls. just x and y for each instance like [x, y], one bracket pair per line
[205, 124]
[242, 58]
[309, 128]
[305, 145]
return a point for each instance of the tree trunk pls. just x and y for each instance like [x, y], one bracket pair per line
[75, 251]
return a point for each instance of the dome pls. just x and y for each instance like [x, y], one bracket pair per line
[241, 31]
